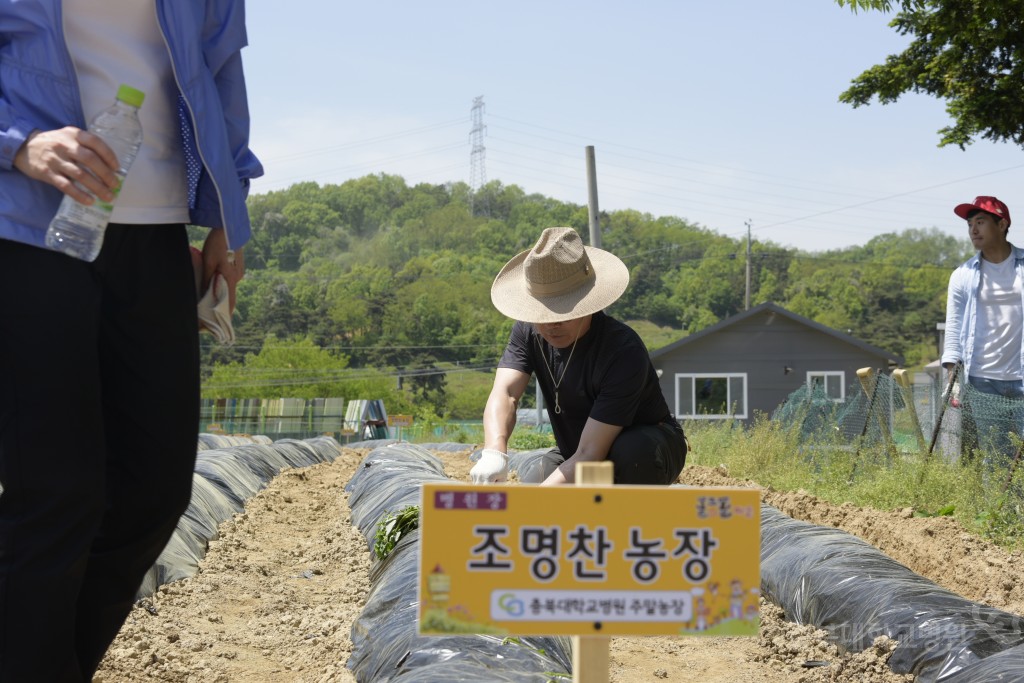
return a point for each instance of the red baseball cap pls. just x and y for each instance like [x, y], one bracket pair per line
[988, 205]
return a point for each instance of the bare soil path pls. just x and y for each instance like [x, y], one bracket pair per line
[277, 594]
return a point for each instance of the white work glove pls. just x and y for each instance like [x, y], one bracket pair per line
[491, 467]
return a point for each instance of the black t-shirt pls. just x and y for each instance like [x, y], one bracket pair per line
[609, 377]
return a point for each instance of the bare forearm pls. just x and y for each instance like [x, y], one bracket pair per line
[500, 411]
[499, 421]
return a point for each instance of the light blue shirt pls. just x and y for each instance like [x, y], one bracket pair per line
[962, 310]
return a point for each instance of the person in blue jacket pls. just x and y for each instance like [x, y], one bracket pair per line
[99, 362]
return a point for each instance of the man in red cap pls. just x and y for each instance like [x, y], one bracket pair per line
[985, 312]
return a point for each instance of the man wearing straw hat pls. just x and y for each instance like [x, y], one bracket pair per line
[595, 373]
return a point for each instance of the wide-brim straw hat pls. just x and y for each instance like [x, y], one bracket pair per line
[558, 279]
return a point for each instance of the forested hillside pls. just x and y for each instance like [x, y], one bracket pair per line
[373, 287]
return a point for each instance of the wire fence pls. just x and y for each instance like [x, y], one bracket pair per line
[890, 416]
[893, 416]
[281, 417]
[300, 418]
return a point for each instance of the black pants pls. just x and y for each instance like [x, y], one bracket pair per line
[642, 454]
[99, 414]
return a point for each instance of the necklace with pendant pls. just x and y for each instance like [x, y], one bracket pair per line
[551, 373]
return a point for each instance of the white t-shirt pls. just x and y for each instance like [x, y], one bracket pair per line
[999, 328]
[119, 41]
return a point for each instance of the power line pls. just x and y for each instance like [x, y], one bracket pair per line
[644, 179]
[365, 142]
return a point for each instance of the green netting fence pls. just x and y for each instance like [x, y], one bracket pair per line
[301, 418]
[295, 418]
[889, 416]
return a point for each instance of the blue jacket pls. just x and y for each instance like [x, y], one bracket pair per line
[39, 90]
[962, 309]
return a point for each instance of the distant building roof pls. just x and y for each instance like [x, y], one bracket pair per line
[774, 308]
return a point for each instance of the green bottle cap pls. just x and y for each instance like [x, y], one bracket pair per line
[130, 96]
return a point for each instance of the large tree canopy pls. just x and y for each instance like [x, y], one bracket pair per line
[967, 52]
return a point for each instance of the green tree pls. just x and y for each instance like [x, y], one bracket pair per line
[299, 368]
[716, 283]
[357, 301]
[969, 53]
[830, 296]
[293, 369]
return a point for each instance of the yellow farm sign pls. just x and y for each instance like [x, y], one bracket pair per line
[587, 560]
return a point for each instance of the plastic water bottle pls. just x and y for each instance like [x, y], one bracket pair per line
[77, 229]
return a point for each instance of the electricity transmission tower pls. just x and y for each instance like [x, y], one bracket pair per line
[477, 159]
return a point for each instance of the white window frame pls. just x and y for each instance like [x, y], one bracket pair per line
[730, 399]
[826, 374]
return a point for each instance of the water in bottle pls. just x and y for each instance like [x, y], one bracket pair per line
[77, 229]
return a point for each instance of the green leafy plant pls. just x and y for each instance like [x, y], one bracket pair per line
[528, 439]
[392, 527]
[441, 621]
[944, 511]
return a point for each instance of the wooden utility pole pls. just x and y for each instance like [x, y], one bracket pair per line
[595, 222]
[746, 303]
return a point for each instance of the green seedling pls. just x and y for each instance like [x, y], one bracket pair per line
[392, 527]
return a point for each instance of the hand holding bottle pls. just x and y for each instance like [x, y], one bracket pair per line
[77, 229]
[67, 156]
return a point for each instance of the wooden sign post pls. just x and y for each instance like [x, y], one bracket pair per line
[903, 380]
[869, 381]
[399, 421]
[590, 653]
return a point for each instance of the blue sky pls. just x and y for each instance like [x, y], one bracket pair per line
[717, 112]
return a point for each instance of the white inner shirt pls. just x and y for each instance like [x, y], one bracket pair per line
[114, 42]
[999, 327]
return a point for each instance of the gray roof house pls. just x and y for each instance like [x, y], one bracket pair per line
[752, 361]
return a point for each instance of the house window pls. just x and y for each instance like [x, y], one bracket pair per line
[710, 396]
[833, 383]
